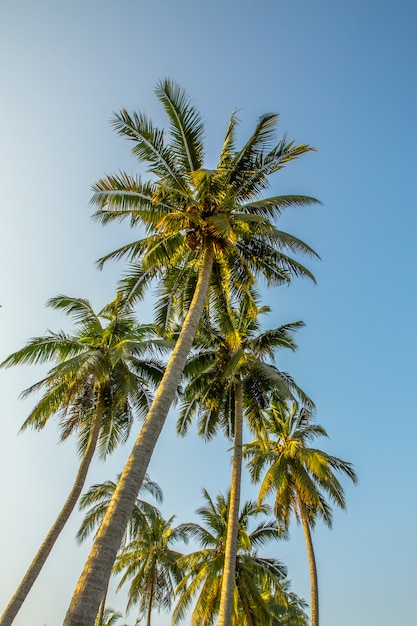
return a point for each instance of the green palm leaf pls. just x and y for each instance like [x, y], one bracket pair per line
[186, 125]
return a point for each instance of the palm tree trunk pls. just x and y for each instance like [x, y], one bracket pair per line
[228, 581]
[102, 608]
[49, 542]
[149, 612]
[97, 569]
[312, 565]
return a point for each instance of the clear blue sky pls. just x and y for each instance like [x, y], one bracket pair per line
[342, 76]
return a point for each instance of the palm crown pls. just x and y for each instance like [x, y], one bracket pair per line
[151, 565]
[257, 579]
[231, 349]
[111, 361]
[294, 471]
[188, 208]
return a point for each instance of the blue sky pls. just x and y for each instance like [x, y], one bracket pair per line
[342, 77]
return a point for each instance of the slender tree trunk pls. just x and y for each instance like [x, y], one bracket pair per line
[228, 581]
[100, 614]
[149, 612]
[312, 565]
[97, 569]
[50, 539]
[102, 608]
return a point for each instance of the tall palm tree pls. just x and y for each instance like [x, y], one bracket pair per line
[96, 501]
[256, 579]
[102, 377]
[212, 221]
[230, 378]
[151, 565]
[299, 476]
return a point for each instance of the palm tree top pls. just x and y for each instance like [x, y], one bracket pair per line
[151, 564]
[186, 207]
[230, 348]
[295, 471]
[108, 350]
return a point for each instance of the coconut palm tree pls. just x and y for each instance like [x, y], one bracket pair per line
[229, 379]
[256, 579]
[301, 478]
[151, 565]
[95, 502]
[102, 377]
[212, 222]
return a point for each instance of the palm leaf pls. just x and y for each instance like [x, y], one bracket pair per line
[186, 125]
[149, 145]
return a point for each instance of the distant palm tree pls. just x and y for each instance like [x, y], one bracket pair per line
[257, 579]
[97, 499]
[110, 617]
[150, 564]
[102, 377]
[286, 607]
[229, 378]
[299, 476]
[212, 220]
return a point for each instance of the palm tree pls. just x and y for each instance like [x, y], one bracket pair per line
[212, 221]
[256, 579]
[97, 499]
[101, 378]
[300, 477]
[151, 564]
[230, 379]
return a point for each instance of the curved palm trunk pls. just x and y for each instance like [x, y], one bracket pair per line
[312, 565]
[228, 581]
[46, 547]
[97, 569]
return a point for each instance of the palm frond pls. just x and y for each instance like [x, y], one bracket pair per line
[228, 148]
[187, 128]
[149, 146]
[275, 206]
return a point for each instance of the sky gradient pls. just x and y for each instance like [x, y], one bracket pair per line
[342, 77]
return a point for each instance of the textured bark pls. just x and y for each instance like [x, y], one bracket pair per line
[38, 562]
[313, 567]
[228, 581]
[97, 569]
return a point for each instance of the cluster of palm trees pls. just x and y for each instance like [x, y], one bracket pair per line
[207, 236]
[157, 574]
